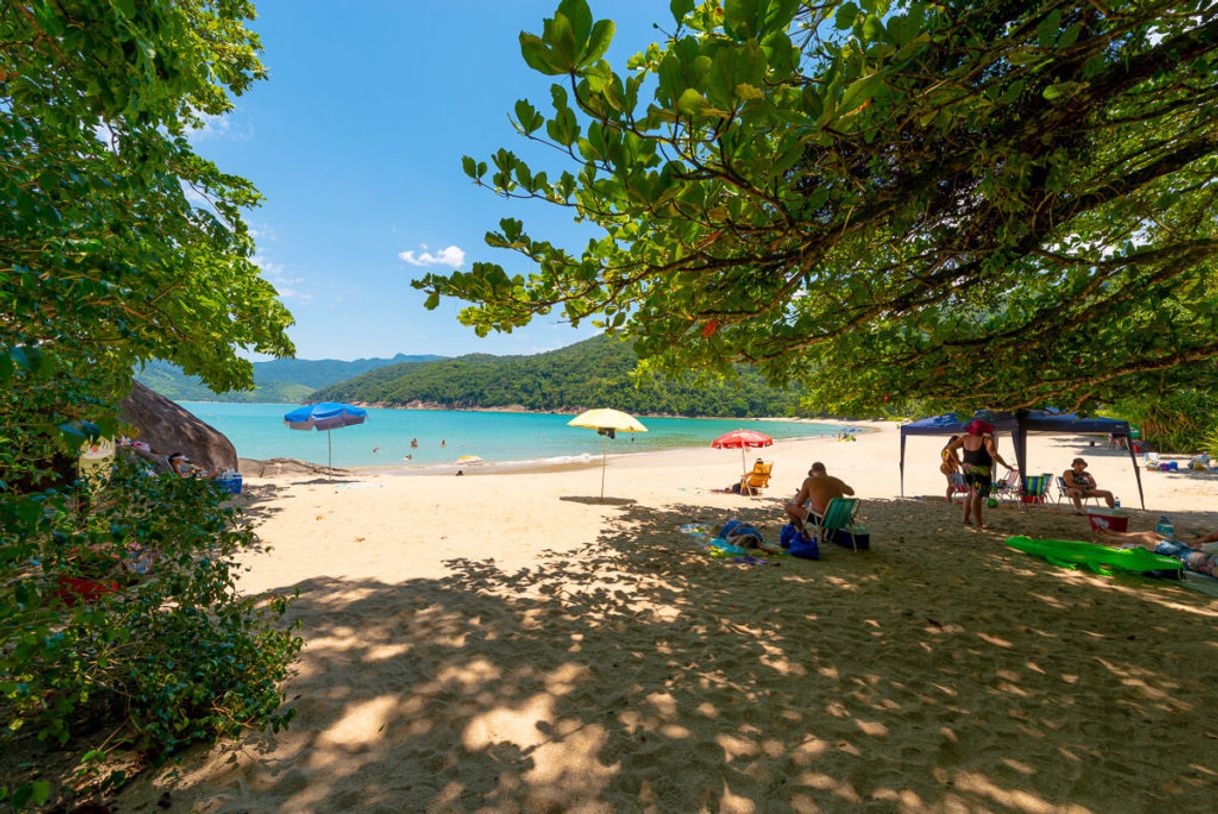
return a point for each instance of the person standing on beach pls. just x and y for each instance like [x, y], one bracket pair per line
[950, 466]
[979, 452]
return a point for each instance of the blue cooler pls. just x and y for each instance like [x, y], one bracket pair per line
[232, 483]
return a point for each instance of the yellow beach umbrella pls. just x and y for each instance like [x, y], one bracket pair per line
[606, 423]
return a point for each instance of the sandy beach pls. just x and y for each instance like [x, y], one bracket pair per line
[505, 642]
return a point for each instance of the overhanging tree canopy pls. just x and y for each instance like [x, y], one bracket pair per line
[1019, 424]
[989, 203]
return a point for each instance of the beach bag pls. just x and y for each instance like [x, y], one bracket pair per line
[804, 548]
[787, 535]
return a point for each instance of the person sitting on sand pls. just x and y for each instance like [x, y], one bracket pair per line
[1190, 553]
[814, 495]
[950, 466]
[980, 451]
[1080, 484]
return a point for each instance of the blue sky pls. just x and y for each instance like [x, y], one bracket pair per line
[356, 142]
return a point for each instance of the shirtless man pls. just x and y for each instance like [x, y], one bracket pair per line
[818, 489]
[1080, 484]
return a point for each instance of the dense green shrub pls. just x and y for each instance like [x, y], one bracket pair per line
[1172, 422]
[175, 653]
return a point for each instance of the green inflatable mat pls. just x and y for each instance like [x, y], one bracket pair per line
[1099, 558]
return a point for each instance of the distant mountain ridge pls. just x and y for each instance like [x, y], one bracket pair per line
[287, 381]
[593, 373]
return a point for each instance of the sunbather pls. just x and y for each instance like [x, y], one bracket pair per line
[814, 495]
[181, 465]
[1080, 484]
[1189, 553]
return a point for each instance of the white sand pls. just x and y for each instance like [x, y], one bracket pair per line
[506, 643]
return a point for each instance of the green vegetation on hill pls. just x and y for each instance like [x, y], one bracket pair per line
[287, 381]
[593, 373]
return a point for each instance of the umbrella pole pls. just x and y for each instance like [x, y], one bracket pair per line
[604, 463]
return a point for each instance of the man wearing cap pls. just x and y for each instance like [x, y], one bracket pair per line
[1080, 484]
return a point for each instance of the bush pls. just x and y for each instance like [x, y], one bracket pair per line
[173, 655]
[1172, 422]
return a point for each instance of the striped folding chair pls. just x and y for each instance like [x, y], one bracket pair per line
[1036, 489]
[839, 515]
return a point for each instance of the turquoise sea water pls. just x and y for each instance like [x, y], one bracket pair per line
[257, 430]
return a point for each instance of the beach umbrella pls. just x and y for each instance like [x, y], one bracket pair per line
[325, 415]
[742, 440]
[606, 423]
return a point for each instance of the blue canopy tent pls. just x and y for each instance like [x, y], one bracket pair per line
[1019, 424]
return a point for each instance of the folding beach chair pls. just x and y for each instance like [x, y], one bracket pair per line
[959, 487]
[1152, 460]
[1036, 489]
[753, 482]
[1008, 487]
[839, 515]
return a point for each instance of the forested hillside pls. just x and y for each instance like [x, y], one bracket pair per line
[593, 373]
[279, 380]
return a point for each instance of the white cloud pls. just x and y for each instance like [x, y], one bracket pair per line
[452, 256]
[274, 274]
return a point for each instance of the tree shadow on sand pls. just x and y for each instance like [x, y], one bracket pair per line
[641, 675]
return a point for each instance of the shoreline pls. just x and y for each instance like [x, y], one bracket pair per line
[570, 463]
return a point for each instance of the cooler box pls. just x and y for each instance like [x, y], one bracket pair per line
[1110, 519]
[232, 483]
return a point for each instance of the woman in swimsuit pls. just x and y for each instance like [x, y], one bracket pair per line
[950, 466]
[980, 452]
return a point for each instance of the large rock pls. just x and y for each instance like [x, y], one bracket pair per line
[168, 428]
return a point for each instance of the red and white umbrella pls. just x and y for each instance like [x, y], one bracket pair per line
[742, 440]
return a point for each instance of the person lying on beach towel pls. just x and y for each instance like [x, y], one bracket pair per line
[1189, 553]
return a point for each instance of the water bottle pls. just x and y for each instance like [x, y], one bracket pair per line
[1116, 503]
[1165, 528]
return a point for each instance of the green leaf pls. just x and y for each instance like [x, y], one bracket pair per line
[469, 166]
[538, 55]
[599, 42]
[580, 18]
[560, 36]
[846, 14]
[680, 8]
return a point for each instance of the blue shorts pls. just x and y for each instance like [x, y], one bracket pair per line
[1194, 559]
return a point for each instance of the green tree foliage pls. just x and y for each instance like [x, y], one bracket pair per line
[988, 203]
[173, 652]
[1174, 422]
[118, 243]
[598, 372]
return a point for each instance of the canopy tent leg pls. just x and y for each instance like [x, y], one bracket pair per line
[902, 464]
[1137, 472]
[329, 452]
[604, 463]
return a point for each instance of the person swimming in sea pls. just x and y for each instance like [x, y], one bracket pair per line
[414, 443]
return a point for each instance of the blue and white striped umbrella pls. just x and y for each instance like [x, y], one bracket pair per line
[325, 415]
